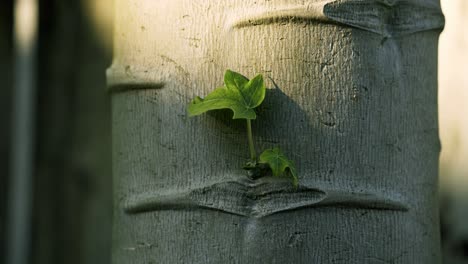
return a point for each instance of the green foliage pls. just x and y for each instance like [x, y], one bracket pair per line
[278, 163]
[242, 96]
[238, 94]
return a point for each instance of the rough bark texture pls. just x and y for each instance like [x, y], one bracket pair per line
[353, 101]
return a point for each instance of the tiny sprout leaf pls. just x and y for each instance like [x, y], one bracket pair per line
[238, 94]
[234, 80]
[278, 163]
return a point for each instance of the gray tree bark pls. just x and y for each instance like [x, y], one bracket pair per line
[352, 100]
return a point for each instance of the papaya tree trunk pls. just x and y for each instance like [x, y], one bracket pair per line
[352, 99]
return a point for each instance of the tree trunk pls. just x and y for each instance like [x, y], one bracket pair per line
[6, 91]
[352, 100]
[72, 214]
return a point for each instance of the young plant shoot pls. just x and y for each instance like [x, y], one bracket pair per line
[242, 96]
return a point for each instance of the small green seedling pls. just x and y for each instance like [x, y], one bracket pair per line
[242, 96]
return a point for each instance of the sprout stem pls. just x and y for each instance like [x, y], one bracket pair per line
[253, 154]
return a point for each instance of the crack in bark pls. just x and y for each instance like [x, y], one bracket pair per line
[389, 18]
[253, 198]
[125, 78]
[122, 78]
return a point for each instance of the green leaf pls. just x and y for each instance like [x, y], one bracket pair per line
[278, 163]
[239, 94]
[234, 80]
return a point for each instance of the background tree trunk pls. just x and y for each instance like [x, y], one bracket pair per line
[72, 201]
[352, 101]
[6, 65]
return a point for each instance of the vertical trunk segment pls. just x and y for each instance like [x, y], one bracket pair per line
[352, 102]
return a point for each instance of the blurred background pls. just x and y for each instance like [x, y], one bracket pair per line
[71, 148]
[66, 129]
